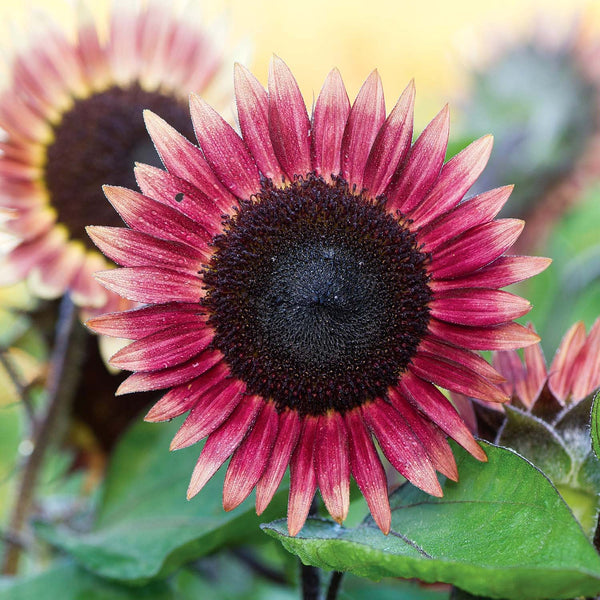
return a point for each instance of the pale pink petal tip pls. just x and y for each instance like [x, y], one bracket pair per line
[289, 428]
[329, 122]
[223, 442]
[364, 121]
[391, 145]
[368, 470]
[332, 464]
[224, 150]
[303, 480]
[289, 125]
[253, 115]
[250, 459]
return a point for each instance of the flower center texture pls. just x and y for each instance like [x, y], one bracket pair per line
[318, 296]
[96, 142]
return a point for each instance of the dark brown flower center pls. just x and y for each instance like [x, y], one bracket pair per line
[318, 297]
[96, 142]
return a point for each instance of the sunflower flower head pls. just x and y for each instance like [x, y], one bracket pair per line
[71, 112]
[345, 282]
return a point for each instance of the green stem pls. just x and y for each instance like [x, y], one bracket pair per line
[62, 380]
[21, 388]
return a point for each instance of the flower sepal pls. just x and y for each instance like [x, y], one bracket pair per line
[561, 448]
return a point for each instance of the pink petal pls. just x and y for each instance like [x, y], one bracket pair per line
[213, 407]
[131, 248]
[184, 397]
[164, 349]
[289, 126]
[432, 438]
[145, 215]
[18, 170]
[498, 337]
[21, 121]
[329, 121]
[140, 322]
[288, 433]
[27, 224]
[430, 401]
[586, 369]
[253, 113]
[250, 459]
[156, 380]
[364, 121]
[185, 160]
[152, 285]
[457, 176]
[224, 150]
[303, 480]
[466, 410]
[561, 369]
[504, 271]
[332, 464]
[509, 364]
[475, 248]
[476, 307]
[470, 213]
[518, 375]
[535, 364]
[54, 275]
[453, 376]
[85, 290]
[466, 358]
[27, 255]
[91, 52]
[410, 185]
[400, 446]
[222, 443]
[391, 145]
[180, 195]
[368, 470]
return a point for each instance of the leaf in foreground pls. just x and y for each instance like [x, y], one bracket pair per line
[145, 528]
[503, 531]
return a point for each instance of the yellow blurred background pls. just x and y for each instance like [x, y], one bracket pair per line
[433, 41]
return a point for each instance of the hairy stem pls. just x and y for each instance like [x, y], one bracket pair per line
[61, 382]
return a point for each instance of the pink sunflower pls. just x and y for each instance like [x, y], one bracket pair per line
[309, 284]
[71, 112]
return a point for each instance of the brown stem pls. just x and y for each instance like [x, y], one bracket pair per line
[60, 386]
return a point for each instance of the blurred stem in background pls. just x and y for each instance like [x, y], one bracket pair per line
[63, 375]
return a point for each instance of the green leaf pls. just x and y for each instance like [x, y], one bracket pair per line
[145, 527]
[68, 582]
[503, 532]
[595, 425]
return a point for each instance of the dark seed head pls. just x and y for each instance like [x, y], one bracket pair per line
[96, 142]
[318, 296]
